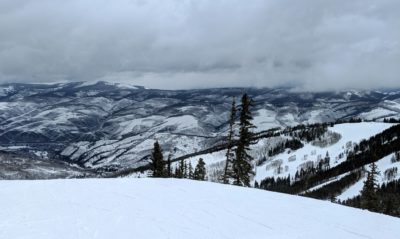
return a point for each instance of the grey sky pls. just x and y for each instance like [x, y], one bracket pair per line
[308, 44]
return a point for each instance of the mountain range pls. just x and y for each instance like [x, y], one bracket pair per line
[104, 126]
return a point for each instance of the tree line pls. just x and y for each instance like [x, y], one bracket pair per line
[161, 168]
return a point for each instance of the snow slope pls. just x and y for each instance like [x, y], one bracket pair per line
[383, 164]
[292, 161]
[171, 208]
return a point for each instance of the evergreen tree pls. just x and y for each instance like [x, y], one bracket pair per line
[157, 161]
[200, 171]
[169, 169]
[182, 169]
[242, 165]
[256, 185]
[185, 170]
[369, 198]
[191, 173]
[229, 152]
[177, 172]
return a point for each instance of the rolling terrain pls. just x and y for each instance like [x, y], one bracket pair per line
[104, 126]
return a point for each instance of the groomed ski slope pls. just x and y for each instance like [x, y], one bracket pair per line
[173, 208]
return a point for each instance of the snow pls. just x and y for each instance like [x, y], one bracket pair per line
[4, 91]
[118, 84]
[4, 105]
[172, 208]
[377, 113]
[352, 191]
[350, 132]
[126, 86]
[265, 119]
[138, 125]
[359, 131]
[184, 122]
[382, 164]
[154, 123]
[388, 108]
[327, 182]
[210, 160]
[314, 116]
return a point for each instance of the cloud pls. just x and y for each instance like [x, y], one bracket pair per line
[308, 44]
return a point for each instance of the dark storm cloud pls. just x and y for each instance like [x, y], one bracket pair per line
[310, 44]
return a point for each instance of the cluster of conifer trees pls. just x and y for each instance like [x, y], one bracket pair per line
[351, 120]
[239, 167]
[369, 197]
[307, 133]
[391, 120]
[163, 168]
[280, 184]
[292, 144]
[383, 198]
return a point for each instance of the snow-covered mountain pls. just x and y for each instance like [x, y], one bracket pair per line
[171, 208]
[17, 166]
[111, 126]
[339, 142]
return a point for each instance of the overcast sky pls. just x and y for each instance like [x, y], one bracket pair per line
[307, 44]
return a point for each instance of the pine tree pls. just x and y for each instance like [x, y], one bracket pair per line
[229, 152]
[177, 172]
[242, 165]
[190, 171]
[200, 171]
[185, 170]
[182, 169]
[169, 169]
[157, 161]
[369, 197]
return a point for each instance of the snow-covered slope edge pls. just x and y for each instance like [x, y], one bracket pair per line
[168, 208]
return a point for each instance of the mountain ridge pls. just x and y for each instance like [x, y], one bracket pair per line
[105, 125]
